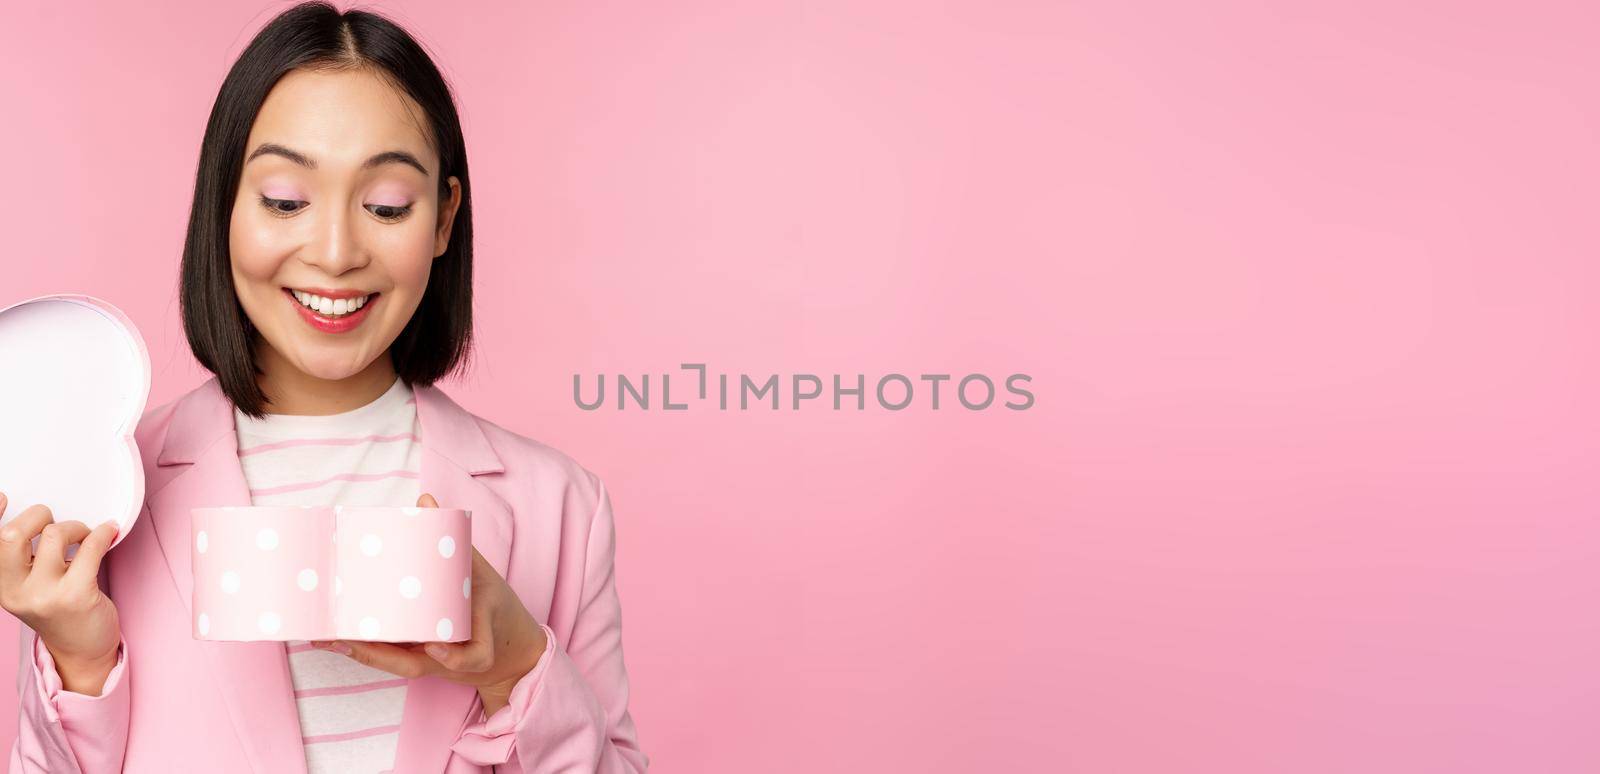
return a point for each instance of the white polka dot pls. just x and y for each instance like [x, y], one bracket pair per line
[371, 545]
[308, 579]
[230, 582]
[338, 585]
[447, 546]
[369, 627]
[267, 539]
[269, 622]
[202, 542]
[466, 588]
[410, 587]
[411, 511]
[444, 629]
[205, 624]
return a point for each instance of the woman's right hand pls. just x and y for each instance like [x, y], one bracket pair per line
[58, 599]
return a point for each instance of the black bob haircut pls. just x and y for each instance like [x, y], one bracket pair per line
[315, 35]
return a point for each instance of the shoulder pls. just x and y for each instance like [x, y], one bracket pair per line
[181, 430]
[527, 458]
[525, 466]
[560, 502]
[155, 425]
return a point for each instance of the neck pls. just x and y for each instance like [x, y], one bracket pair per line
[292, 391]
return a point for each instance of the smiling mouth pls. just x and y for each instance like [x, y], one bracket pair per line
[333, 308]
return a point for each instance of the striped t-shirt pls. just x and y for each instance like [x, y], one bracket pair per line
[349, 713]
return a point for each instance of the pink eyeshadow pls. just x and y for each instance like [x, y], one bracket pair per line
[391, 198]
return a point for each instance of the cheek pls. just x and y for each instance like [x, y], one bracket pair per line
[408, 255]
[409, 274]
[252, 248]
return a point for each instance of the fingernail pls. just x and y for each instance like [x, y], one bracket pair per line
[436, 651]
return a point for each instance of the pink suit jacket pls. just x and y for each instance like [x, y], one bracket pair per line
[176, 704]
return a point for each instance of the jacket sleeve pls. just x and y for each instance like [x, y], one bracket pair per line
[62, 732]
[570, 713]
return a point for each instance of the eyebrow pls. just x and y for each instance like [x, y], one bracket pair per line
[386, 157]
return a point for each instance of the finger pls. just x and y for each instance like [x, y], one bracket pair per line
[85, 565]
[482, 571]
[16, 543]
[51, 560]
[388, 657]
[427, 501]
[474, 655]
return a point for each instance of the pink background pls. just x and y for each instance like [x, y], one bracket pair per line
[1307, 295]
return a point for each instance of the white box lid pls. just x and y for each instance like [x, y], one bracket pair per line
[74, 378]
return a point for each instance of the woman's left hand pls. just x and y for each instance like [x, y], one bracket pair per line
[506, 643]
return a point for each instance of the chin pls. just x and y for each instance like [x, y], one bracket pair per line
[331, 367]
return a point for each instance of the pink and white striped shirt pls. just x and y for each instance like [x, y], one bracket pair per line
[349, 713]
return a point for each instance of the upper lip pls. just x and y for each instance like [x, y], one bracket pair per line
[335, 295]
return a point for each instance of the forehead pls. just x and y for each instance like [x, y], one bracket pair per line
[340, 118]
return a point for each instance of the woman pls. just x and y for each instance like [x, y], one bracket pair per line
[326, 283]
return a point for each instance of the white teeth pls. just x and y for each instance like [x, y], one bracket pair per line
[330, 307]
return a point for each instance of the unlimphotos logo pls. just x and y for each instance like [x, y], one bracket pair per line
[894, 392]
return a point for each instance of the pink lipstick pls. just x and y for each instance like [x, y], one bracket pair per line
[334, 324]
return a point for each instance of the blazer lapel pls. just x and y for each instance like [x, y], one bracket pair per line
[253, 677]
[455, 454]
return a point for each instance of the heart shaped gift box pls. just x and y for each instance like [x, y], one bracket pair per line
[384, 574]
[76, 376]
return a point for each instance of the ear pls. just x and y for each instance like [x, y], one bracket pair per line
[447, 217]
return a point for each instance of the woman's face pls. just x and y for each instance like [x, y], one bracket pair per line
[335, 226]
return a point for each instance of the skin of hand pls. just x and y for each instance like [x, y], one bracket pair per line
[506, 643]
[59, 599]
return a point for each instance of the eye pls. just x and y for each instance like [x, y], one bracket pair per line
[389, 212]
[282, 208]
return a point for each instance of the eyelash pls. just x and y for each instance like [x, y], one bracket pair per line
[272, 206]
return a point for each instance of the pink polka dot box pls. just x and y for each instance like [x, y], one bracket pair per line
[332, 572]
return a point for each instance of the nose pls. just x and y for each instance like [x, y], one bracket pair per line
[337, 246]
